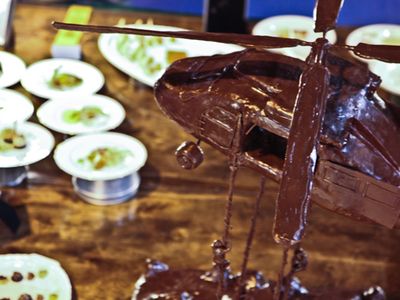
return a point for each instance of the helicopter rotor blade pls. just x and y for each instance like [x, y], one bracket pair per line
[245, 40]
[386, 53]
[326, 13]
[301, 156]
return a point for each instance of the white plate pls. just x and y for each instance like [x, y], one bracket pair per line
[40, 142]
[68, 153]
[390, 74]
[37, 76]
[13, 69]
[55, 282]
[14, 107]
[51, 113]
[386, 34]
[108, 47]
[379, 34]
[291, 26]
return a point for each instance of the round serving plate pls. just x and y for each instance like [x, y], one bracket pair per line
[94, 180]
[33, 275]
[379, 34]
[12, 69]
[54, 114]
[291, 26]
[119, 51]
[38, 76]
[376, 34]
[14, 107]
[39, 143]
[390, 74]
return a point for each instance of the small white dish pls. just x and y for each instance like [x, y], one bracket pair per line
[53, 114]
[110, 47]
[39, 143]
[390, 74]
[376, 34]
[291, 26]
[37, 78]
[71, 155]
[40, 276]
[14, 107]
[12, 67]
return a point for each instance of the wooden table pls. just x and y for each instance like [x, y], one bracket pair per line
[177, 214]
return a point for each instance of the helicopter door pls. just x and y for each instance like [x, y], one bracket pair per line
[218, 126]
[357, 194]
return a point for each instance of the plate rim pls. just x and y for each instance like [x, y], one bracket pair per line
[59, 154]
[51, 261]
[22, 96]
[42, 109]
[105, 39]
[21, 63]
[288, 51]
[39, 158]
[51, 94]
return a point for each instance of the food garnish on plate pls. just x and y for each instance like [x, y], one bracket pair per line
[18, 277]
[140, 49]
[10, 139]
[64, 81]
[87, 115]
[105, 157]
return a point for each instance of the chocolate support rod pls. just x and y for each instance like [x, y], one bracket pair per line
[245, 40]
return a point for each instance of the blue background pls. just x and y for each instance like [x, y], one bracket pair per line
[354, 12]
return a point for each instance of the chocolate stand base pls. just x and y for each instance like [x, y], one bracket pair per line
[160, 282]
[107, 192]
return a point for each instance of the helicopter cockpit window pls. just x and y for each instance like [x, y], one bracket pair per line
[219, 125]
[265, 146]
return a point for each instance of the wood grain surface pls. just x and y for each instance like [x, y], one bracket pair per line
[177, 214]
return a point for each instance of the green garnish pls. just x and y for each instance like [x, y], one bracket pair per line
[10, 139]
[64, 81]
[42, 273]
[137, 49]
[53, 297]
[105, 157]
[88, 115]
[3, 280]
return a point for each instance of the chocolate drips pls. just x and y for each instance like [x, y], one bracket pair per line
[164, 283]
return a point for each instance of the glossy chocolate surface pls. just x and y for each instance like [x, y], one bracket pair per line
[326, 14]
[293, 201]
[163, 283]
[206, 96]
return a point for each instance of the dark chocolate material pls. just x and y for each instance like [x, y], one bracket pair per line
[385, 53]
[301, 152]
[326, 14]
[189, 155]
[287, 119]
[250, 236]
[244, 40]
[160, 282]
[360, 136]
[326, 19]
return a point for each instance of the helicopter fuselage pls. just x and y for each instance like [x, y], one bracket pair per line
[251, 94]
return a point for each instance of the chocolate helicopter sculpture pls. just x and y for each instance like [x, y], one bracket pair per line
[317, 127]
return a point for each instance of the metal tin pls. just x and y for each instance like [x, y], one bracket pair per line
[107, 192]
[13, 176]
